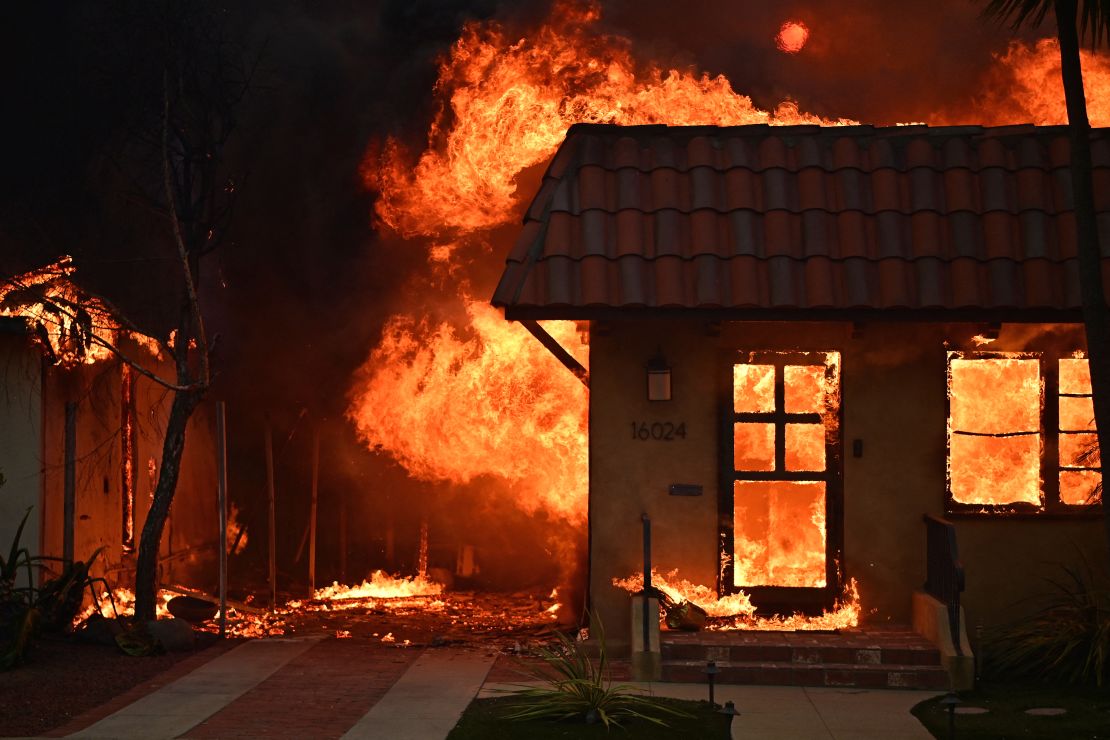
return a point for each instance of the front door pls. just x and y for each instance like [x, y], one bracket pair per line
[781, 510]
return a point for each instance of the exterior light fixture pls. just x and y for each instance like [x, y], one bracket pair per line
[711, 670]
[949, 702]
[658, 378]
[729, 711]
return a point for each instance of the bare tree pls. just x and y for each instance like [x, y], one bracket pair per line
[174, 161]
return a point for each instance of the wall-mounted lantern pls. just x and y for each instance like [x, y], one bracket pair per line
[658, 378]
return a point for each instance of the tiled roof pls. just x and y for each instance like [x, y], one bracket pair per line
[781, 218]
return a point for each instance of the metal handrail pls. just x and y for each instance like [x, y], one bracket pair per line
[944, 573]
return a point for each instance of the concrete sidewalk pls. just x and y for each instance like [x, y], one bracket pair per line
[317, 688]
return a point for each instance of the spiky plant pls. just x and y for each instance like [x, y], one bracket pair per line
[575, 688]
[1067, 638]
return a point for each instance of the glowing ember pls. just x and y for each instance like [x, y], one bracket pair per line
[736, 612]
[792, 36]
[74, 326]
[236, 533]
[124, 603]
[381, 586]
[994, 430]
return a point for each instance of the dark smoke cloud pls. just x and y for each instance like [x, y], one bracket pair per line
[875, 61]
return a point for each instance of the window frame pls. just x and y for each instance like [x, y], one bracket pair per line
[1052, 507]
[804, 599]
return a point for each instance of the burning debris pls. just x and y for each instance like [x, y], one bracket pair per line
[73, 327]
[381, 586]
[736, 612]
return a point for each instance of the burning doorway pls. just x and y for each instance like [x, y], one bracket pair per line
[781, 493]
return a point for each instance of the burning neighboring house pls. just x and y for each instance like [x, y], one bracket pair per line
[82, 435]
[804, 339]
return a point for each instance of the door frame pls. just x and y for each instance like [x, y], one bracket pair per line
[782, 599]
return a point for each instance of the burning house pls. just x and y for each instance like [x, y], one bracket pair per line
[805, 340]
[82, 435]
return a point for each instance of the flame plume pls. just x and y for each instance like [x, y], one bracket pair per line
[488, 400]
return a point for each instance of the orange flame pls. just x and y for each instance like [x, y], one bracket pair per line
[506, 104]
[450, 407]
[72, 324]
[490, 400]
[381, 586]
[735, 611]
[994, 437]
[1025, 86]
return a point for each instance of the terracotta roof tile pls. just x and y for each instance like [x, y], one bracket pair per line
[761, 217]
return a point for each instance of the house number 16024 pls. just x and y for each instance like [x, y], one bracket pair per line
[665, 431]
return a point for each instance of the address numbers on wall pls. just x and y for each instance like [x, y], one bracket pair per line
[660, 431]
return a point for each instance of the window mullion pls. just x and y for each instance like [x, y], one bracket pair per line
[1050, 423]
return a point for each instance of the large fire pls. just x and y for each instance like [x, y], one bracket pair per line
[1025, 87]
[455, 400]
[505, 106]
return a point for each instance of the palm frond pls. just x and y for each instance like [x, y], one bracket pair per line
[1018, 13]
[1093, 16]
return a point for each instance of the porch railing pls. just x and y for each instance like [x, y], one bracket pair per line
[944, 573]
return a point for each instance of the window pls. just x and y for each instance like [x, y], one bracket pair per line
[1008, 450]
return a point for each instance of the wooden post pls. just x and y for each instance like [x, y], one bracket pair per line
[343, 540]
[312, 511]
[390, 537]
[422, 551]
[69, 493]
[221, 496]
[273, 528]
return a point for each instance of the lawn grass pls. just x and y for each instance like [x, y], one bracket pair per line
[484, 720]
[1088, 714]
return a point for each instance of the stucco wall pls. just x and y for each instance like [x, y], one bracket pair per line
[20, 440]
[893, 397]
[188, 542]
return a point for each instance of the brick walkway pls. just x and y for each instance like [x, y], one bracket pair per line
[319, 694]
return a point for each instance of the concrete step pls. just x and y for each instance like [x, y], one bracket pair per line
[918, 653]
[788, 673]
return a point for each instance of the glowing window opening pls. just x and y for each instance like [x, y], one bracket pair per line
[994, 429]
[785, 419]
[1078, 460]
[1021, 434]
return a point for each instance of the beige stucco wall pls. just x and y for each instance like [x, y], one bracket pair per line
[893, 399]
[20, 440]
[188, 541]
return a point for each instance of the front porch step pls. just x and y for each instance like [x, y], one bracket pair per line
[853, 675]
[864, 658]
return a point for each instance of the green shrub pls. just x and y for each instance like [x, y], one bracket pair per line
[1066, 639]
[18, 614]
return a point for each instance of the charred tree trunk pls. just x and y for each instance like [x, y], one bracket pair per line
[146, 567]
[1095, 316]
